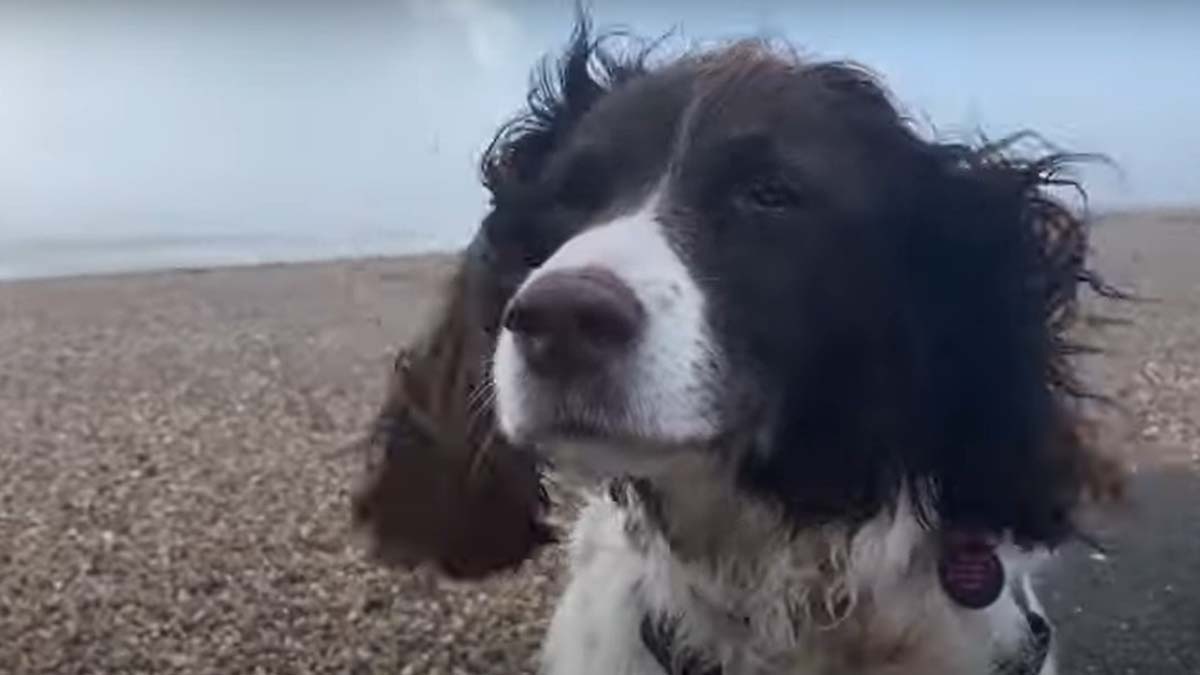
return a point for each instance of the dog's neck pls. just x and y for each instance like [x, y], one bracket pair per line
[736, 573]
[697, 509]
[730, 566]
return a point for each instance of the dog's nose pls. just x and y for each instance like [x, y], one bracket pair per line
[567, 321]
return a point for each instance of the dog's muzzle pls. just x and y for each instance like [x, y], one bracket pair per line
[570, 322]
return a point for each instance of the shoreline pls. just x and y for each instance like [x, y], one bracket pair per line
[1168, 215]
[198, 269]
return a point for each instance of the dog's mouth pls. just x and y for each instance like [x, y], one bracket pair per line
[596, 437]
[569, 418]
[604, 452]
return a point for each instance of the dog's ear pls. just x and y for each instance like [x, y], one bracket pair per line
[996, 265]
[443, 488]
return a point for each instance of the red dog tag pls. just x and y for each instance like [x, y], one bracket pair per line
[970, 570]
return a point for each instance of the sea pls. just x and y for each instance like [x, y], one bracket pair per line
[33, 257]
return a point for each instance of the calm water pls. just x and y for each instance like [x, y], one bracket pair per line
[26, 258]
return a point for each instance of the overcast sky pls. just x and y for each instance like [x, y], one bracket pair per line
[345, 119]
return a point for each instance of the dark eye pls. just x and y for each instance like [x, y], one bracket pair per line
[769, 193]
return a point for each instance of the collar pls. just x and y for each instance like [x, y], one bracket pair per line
[658, 636]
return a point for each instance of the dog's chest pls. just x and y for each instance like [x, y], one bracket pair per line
[831, 604]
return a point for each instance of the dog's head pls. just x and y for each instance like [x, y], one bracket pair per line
[749, 255]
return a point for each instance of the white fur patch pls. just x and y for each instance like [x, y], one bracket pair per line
[827, 602]
[666, 387]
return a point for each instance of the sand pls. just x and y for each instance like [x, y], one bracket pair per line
[172, 499]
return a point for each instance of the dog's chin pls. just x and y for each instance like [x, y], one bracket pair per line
[601, 452]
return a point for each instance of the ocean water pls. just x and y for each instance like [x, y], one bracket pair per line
[62, 255]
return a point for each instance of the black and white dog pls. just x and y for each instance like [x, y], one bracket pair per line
[815, 364]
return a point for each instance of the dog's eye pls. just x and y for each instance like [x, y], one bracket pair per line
[769, 193]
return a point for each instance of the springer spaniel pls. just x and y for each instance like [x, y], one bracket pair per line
[814, 366]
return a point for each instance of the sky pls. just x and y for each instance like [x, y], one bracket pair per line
[319, 129]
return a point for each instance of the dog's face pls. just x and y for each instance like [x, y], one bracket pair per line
[710, 222]
[750, 256]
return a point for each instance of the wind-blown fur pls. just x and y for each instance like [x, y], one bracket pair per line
[893, 331]
[442, 487]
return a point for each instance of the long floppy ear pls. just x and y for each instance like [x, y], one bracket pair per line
[997, 265]
[443, 488]
[942, 364]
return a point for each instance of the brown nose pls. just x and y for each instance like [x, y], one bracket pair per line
[571, 320]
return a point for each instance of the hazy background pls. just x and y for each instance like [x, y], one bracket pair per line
[158, 134]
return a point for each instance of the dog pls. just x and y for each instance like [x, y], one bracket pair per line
[813, 366]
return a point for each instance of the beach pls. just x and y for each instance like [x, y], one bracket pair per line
[174, 482]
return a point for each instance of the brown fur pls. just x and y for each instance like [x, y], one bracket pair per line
[442, 487]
